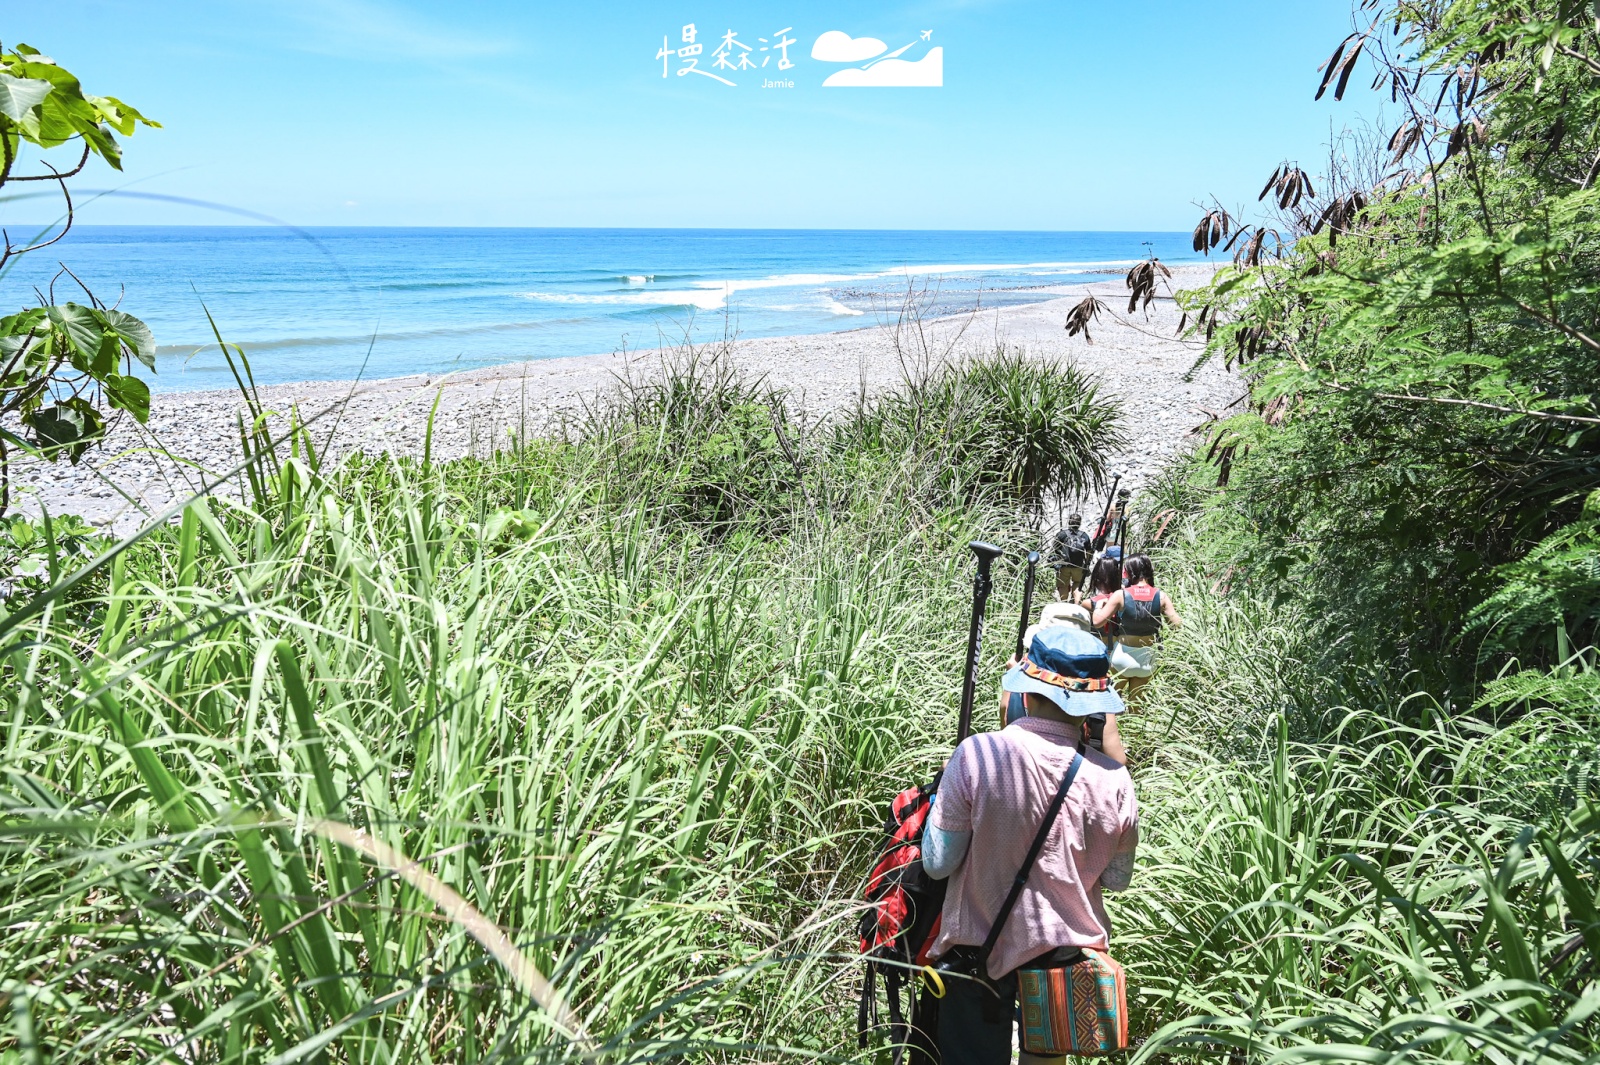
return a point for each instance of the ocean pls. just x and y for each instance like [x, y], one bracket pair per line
[332, 303]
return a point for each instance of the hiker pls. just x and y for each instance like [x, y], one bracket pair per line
[1069, 554]
[1138, 609]
[1011, 705]
[992, 800]
[1104, 581]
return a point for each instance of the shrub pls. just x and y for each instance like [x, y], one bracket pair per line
[1003, 422]
[702, 443]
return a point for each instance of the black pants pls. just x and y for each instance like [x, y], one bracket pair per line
[976, 1021]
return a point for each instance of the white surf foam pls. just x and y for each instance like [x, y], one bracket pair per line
[745, 284]
[933, 270]
[714, 294]
[705, 299]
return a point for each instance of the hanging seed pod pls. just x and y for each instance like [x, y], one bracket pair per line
[1274, 412]
[1404, 139]
[1141, 282]
[1468, 131]
[1213, 229]
[1253, 244]
[1289, 185]
[1340, 216]
[1249, 344]
[1341, 64]
[1081, 315]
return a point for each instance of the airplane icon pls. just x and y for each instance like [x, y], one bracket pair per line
[927, 35]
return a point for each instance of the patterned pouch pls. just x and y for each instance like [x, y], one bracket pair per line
[1080, 1008]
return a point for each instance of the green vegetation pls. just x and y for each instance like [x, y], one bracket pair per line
[640, 705]
[1338, 866]
[1425, 379]
[1374, 817]
[61, 364]
[1003, 422]
[654, 752]
[639, 693]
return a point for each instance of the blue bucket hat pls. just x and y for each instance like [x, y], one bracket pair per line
[1069, 667]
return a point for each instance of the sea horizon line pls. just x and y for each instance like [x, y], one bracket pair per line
[77, 225]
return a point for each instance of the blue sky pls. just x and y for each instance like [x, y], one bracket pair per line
[1054, 114]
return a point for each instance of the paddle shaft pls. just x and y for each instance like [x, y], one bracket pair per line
[981, 585]
[1027, 601]
[1106, 513]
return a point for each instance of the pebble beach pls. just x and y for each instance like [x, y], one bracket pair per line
[191, 438]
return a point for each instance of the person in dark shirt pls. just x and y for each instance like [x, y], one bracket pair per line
[1069, 554]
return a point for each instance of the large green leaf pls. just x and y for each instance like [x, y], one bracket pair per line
[118, 115]
[134, 333]
[19, 96]
[63, 112]
[67, 428]
[16, 331]
[129, 394]
[82, 326]
[54, 109]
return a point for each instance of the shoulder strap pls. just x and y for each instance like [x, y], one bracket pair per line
[1027, 867]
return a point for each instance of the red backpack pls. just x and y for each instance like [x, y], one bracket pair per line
[898, 928]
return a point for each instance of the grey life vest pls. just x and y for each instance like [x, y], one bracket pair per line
[1140, 616]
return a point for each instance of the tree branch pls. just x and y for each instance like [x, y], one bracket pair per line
[1576, 419]
[55, 176]
[10, 156]
[66, 194]
[1572, 53]
[1555, 323]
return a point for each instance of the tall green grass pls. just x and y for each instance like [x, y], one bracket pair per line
[637, 707]
[581, 750]
[1335, 868]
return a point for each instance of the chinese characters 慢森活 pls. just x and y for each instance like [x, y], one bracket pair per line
[732, 55]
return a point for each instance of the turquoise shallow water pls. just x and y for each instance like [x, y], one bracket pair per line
[318, 304]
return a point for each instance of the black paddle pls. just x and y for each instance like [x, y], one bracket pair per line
[981, 584]
[1101, 533]
[1027, 601]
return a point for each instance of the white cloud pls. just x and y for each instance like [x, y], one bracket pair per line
[927, 72]
[837, 46]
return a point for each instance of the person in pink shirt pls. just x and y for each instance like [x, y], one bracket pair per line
[991, 801]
